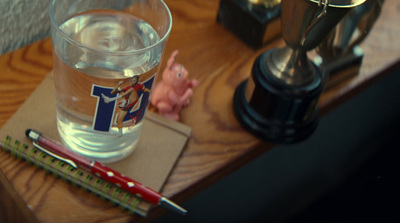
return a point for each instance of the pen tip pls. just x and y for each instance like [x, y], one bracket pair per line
[165, 203]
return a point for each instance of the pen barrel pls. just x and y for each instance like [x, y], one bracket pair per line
[64, 152]
[126, 183]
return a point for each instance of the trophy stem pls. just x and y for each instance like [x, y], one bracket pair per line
[290, 66]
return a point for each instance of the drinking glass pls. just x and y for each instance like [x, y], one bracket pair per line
[107, 55]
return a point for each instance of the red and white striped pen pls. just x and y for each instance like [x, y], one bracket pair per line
[104, 172]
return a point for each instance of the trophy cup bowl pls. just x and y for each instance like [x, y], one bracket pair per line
[278, 103]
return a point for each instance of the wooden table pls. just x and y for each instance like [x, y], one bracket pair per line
[218, 145]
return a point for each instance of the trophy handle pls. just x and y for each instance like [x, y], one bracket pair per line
[319, 17]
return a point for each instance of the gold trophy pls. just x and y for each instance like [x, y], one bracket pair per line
[340, 56]
[278, 103]
[255, 22]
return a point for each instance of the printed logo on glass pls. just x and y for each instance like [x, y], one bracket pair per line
[122, 105]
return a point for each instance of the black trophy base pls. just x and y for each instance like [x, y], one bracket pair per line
[253, 24]
[276, 112]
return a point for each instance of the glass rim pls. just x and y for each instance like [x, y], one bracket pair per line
[113, 52]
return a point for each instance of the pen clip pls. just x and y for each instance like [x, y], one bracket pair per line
[70, 162]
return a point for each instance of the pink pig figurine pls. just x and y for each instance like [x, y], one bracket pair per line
[174, 91]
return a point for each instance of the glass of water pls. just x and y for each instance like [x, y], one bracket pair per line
[107, 55]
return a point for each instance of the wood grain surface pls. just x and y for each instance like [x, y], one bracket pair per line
[218, 145]
[12, 206]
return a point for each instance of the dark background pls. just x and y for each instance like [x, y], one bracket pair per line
[345, 172]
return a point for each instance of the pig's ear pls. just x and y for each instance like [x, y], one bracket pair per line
[171, 59]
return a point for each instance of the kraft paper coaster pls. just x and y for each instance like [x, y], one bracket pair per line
[160, 145]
